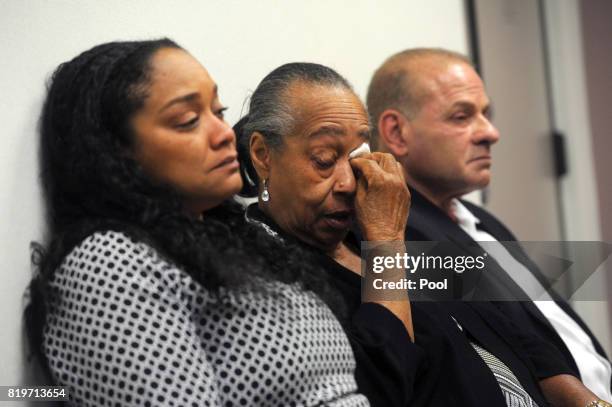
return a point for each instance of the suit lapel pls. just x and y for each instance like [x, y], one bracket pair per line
[428, 222]
[496, 229]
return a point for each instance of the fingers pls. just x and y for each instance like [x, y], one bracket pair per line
[400, 170]
[370, 164]
[389, 164]
[382, 197]
[365, 165]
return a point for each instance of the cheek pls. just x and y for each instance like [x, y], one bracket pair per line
[189, 166]
[316, 194]
[299, 196]
[452, 147]
[181, 162]
[175, 148]
[432, 153]
[194, 150]
[307, 193]
[467, 150]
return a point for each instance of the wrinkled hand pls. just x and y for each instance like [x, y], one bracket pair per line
[382, 200]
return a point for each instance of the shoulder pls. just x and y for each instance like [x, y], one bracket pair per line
[109, 243]
[118, 306]
[109, 261]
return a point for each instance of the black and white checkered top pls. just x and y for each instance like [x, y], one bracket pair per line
[127, 327]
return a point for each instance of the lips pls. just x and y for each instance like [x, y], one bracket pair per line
[484, 157]
[229, 162]
[339, 219]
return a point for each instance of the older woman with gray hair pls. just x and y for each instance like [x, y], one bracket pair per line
[304, 121]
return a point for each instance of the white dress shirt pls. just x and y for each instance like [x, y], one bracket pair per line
[595, 370]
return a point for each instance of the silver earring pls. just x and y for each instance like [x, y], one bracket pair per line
[265, 195]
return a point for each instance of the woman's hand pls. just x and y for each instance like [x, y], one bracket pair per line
[382, 203]
[382, 200]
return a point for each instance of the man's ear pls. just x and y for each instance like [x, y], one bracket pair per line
[394, 130]
[260, 155]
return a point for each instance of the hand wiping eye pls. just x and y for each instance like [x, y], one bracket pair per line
[364, 148]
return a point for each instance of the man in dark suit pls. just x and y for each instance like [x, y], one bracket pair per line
[430, 110]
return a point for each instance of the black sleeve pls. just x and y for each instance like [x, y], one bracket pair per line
[546, 359]
[387, 360]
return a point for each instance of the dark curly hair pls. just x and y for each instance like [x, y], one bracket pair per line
[91, 184]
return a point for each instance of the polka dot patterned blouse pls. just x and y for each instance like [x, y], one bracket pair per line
[128, 328]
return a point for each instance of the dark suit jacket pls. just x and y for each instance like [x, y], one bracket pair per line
[452, 373]
[428, 222]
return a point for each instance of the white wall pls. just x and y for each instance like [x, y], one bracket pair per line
[238, 41]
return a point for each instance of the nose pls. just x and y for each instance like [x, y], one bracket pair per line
[221, 134]
[345, 179]
[486, 132]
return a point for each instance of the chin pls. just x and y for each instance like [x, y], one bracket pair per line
[481, 179]
[332, 240]
[231, 185]
[222, 193]
[237, 186]
[480, 185]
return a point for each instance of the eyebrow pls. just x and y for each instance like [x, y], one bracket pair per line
[181, 99]
[327, 131]
[188, 98]
[488, 109]
[336, 131]
[464, 105]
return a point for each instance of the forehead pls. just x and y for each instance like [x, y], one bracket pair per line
[174, 72]
[326, 106]
[453, 83]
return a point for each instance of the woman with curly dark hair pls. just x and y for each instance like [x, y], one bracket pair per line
[152, 289]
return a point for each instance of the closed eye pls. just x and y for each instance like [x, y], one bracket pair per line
[190, 124]
[460, 117]
[462, 111]
[324, 162]
[488, 112]
[220, 113]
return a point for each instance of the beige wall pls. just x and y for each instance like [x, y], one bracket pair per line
[523, 191]
[597, 44]
[596, 18]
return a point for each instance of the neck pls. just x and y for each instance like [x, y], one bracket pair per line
[336, 252]
[439, 198]
[344, 256]
[195, 210]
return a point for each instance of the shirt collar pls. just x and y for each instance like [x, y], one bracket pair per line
[466, 219]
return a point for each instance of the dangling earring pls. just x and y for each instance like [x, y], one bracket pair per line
[265, 195]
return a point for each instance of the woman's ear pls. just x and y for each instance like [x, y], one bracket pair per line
[260, 155]
[394, 131]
